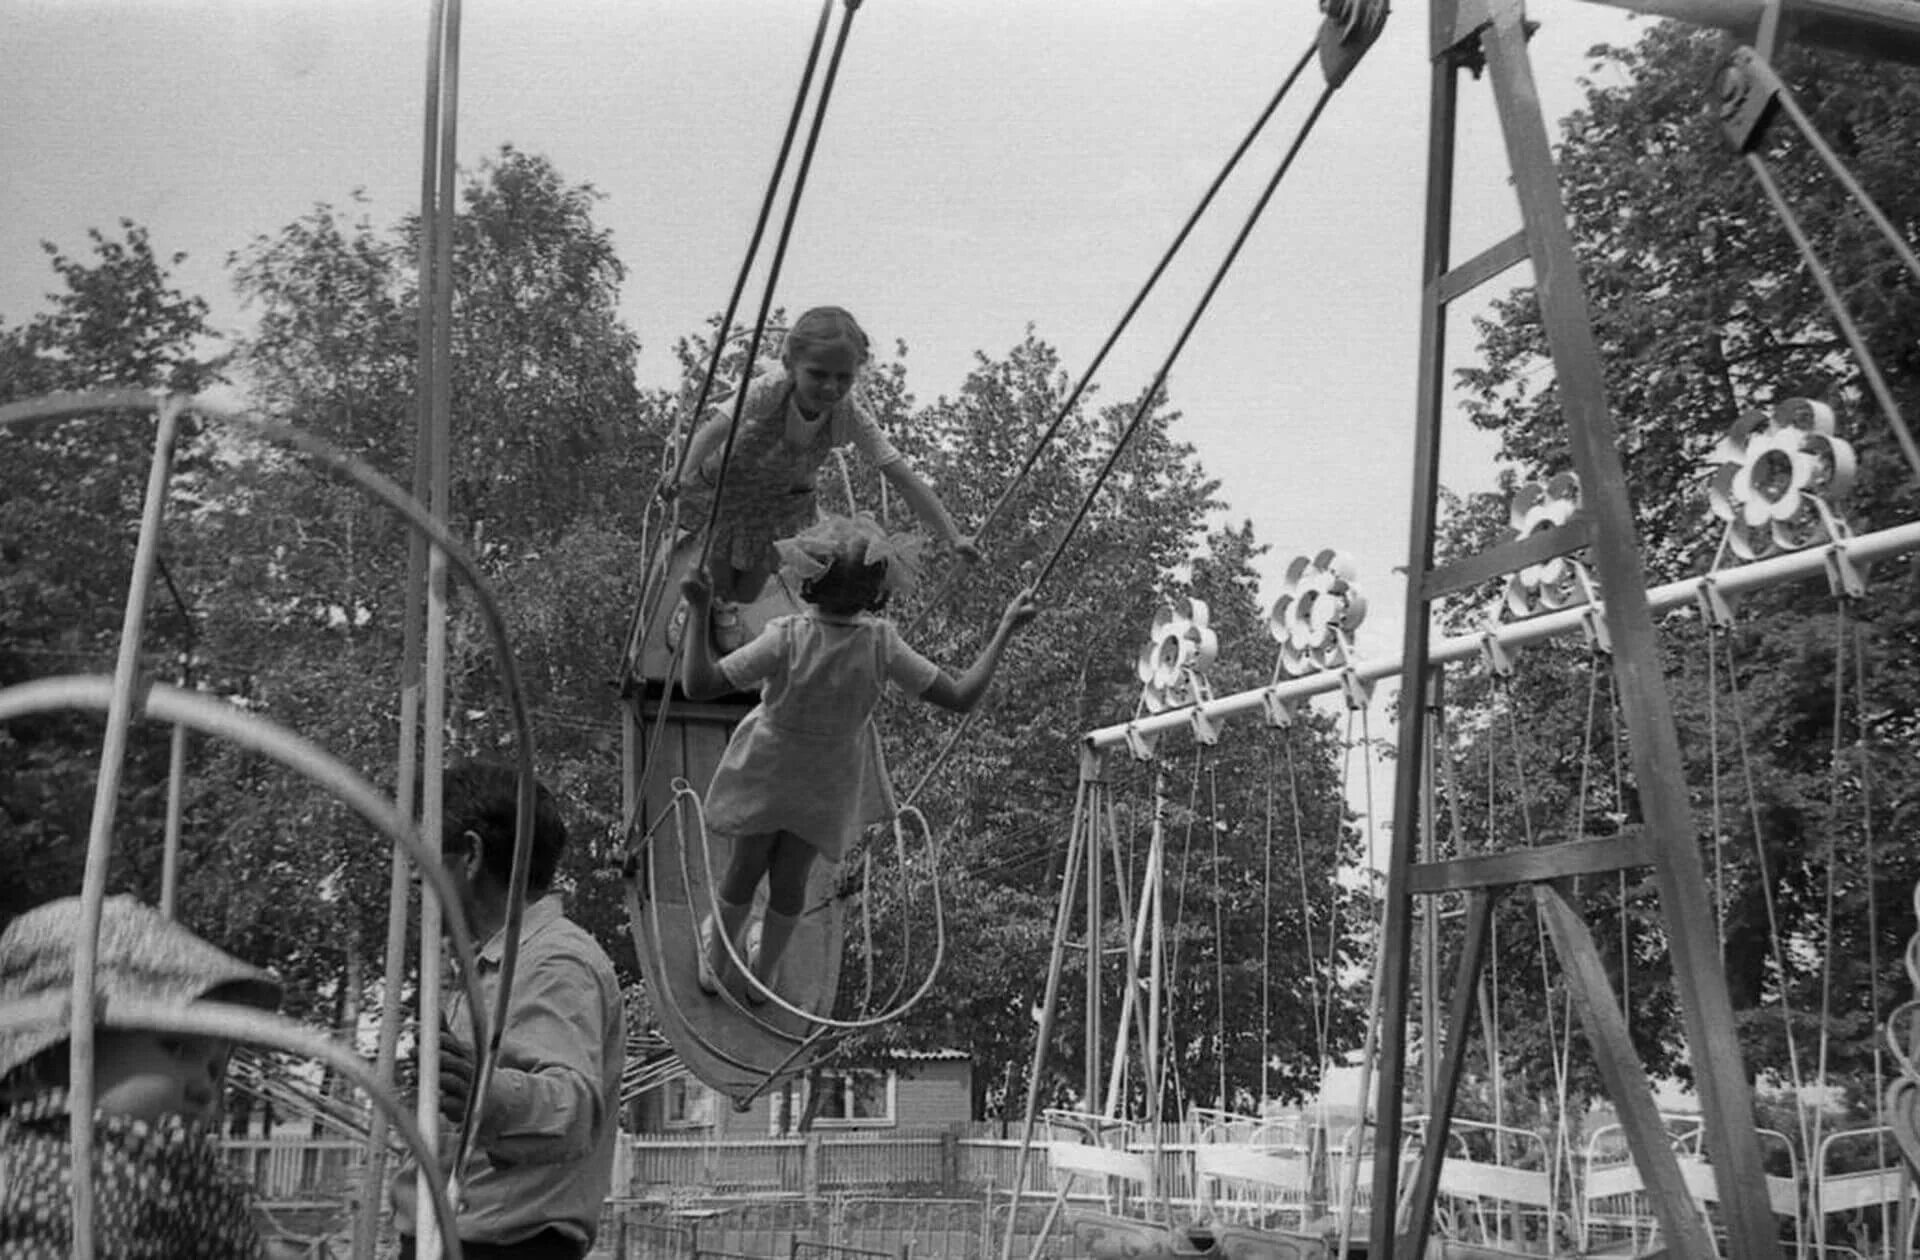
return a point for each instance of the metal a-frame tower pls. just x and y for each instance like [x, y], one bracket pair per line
[1490, 36]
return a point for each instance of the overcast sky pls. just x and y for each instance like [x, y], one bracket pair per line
[986, 165]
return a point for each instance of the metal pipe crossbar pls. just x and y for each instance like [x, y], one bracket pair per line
[1793, 566]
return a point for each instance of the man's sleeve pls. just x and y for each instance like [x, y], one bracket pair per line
[545, 1104]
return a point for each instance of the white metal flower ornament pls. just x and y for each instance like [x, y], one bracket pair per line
[1775, 478]
[1318, 611]
[1559, 581]
[1174, 660]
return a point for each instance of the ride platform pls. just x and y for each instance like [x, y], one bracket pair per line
[737, 1041]
[738, 1046]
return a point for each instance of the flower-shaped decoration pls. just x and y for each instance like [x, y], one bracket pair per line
[1317, 613]
[1776, 476]
[1173, 662]
[1559, 582]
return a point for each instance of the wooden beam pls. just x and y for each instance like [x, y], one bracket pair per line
[1507, 557]
[1681, 1225]
[1726, 1100]
[1481, 268]
[1593, 856]
[1412, 1244]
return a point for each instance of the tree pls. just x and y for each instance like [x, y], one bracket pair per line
[303, 577]
[1702, 310]
[70, 501]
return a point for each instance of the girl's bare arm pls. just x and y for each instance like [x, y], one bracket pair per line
[963, 693]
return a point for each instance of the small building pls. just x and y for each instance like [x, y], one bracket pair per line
[917, 1091]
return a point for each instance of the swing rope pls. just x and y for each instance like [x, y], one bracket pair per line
[1765, 80]
[1180, 918]
[1148, 396]
[1559, 1034]
[1152, 392]
[773, 274]
[1331, 992]
[1869, 860]
[1717, 821]
[657, 736]
[1219, 932]
[1306, 904]
[1100, 357]
[1777, 950]
[1266, 935]
[650, 596]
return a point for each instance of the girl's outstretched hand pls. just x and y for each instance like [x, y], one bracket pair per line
[1021, 609]
[967, 549]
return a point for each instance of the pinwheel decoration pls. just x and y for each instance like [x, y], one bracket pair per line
[1317, 613]
[1559, 582]
[1174, 660]
[1775, 478]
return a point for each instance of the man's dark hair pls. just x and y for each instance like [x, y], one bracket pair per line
[480, 796]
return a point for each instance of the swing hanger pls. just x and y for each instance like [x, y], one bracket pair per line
[1493, 652]
[1592, 615]
[1278, 710]
[1357, 691]
[1716, 606]
[1140, 743]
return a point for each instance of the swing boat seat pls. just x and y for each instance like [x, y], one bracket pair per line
[1108, 1237]
[1126, 1177]
[1859, 1203]
[739, 1049]
[1493, 1197]
[1616, 1216]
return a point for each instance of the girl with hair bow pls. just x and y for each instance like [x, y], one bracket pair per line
[802, 774]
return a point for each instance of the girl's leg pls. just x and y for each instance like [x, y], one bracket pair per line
[751, 856]
[791, 861]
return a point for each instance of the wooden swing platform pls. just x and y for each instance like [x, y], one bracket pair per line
[735, 1046]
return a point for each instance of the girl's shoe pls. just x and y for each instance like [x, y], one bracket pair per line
[709, 982]
[729, 631]
[754, 996]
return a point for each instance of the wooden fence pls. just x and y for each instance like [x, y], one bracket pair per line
[295, 1170]
[962, 1162]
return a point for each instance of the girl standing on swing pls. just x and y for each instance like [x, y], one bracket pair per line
[788, 424]
[802, 774]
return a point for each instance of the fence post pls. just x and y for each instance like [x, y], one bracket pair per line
[1316, 1171]
[810, 1165]
[949, 1162]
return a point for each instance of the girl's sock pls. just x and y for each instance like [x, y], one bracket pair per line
[714, 962]
[775, 931]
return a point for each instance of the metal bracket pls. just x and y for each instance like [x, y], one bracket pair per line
[1495, 653]
[1716, 606]
[1348, 31]
[1279, 712]
[1749, 93]
[1139, 742]
[1592, 618]
[1844, 578]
